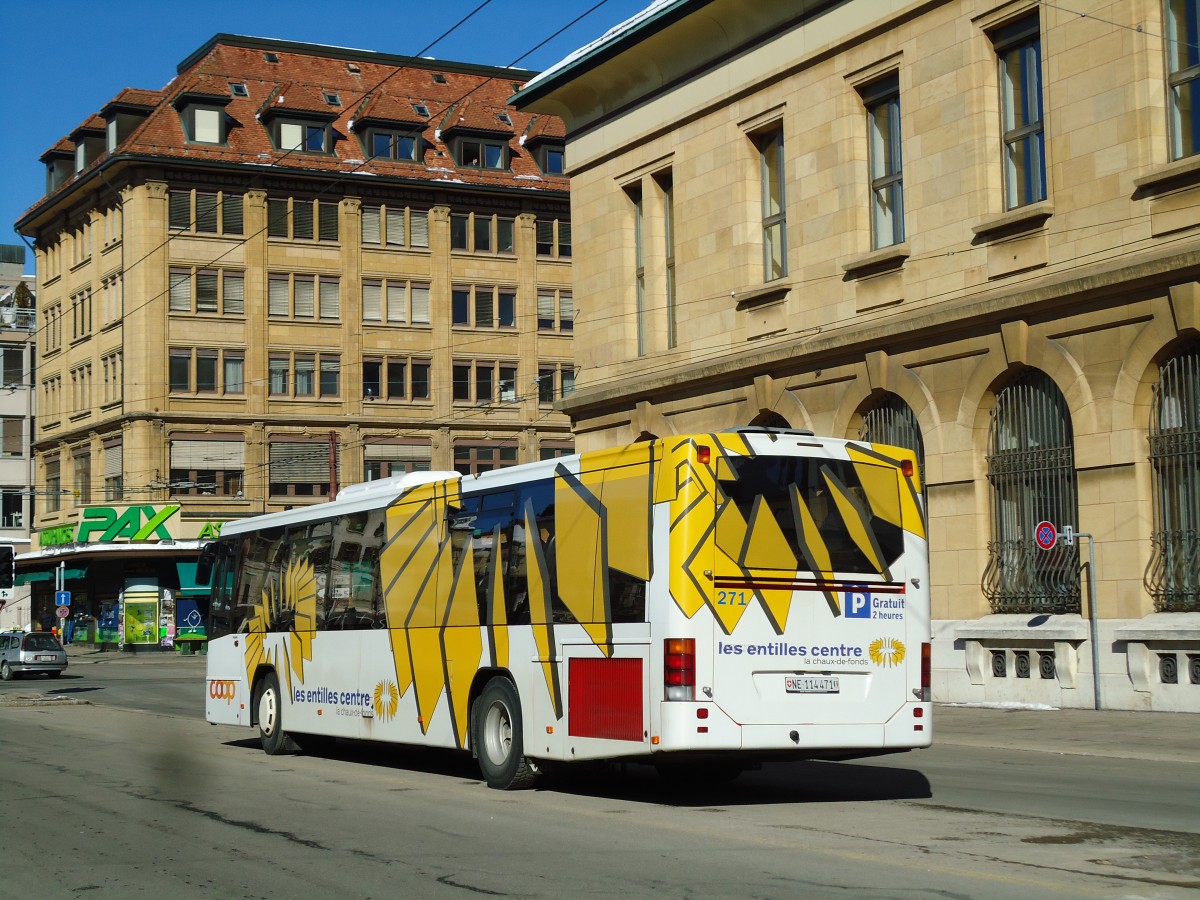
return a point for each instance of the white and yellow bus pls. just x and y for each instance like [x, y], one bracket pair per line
[704, 602]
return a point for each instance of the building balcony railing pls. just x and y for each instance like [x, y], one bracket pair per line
[18, 319]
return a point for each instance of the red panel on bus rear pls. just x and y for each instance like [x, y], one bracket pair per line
[604, 698]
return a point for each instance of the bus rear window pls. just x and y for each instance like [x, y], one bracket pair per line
[776, 482]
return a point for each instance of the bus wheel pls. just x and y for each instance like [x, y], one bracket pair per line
[498, 743]
[269, 705]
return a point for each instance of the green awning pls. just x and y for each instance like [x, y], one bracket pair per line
[187, 579]
[72, 574]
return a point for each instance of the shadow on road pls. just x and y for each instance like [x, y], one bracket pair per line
[773, 784]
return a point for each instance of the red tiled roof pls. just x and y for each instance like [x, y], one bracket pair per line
[135, 97]
[544, 128]
[92, 123]
[383, 88]
[62, 145]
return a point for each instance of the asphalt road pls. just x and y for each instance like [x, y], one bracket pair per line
[132, 794]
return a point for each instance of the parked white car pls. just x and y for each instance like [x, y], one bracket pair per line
[32, 653]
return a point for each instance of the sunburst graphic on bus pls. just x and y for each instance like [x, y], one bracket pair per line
[887, 652]
[291, 604]
[386, 700]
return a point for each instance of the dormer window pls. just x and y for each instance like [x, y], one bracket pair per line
[477, 153]
[554, 160]
[331, 98]
[237, 89]
[309, 137]
[389, 144]
[202, 116]
[421, 110]
[89, 145]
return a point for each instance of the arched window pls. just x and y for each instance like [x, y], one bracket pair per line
[770, 420]
[1031, 470]
[1173, 576]
[892, 421]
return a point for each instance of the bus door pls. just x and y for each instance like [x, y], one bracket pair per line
[798, 548]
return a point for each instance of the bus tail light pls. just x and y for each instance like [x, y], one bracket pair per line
[679, 668]
[926, 672]
[703, 454]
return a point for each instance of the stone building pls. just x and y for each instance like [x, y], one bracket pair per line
[971, 227]
[293, 268]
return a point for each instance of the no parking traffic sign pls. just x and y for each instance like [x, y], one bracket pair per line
[1046, 535]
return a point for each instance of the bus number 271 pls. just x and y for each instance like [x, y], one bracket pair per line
[731, 598]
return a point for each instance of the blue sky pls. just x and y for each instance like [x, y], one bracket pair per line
[71, 57]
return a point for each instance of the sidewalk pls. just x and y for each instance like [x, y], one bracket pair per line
[86, 654]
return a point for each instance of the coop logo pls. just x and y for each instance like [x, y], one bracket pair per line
[886, 652]
[386, 700]
[222, 690]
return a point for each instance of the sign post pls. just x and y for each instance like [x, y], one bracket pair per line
[1046, 535]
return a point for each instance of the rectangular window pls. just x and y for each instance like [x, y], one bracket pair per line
[278, 295]
[481, 154]
[372, 378]
[484, 303]
[420, 304]
[303, 296]
[53, 485]
[397, 302]
[1019, 50]
[483, 233]
[299, 468]
[330, 298]
[546, 384]
[461, 382]
[277, 218]
[774, 206]
[327, 215]
[418, 221]
[458, 231]
[206, 125]
[179, 372]
[371, 233]
[305, 369]
[1183, 76]
[396, 379]
[485, 389]
[882, 101]
[544, 232]
[372, 300]
[460, 306]
[206, 371]
[231, 213]
[508, 308]
[235, 366]
[278, 368]
[420, 380]
[180, 290]
[180, 211]
[206, 213]
[234, 285]
[330, 371]
[395, 227]
[668, 189]
[505, 241]
[206, 292]
[302, 219]
[12, 431]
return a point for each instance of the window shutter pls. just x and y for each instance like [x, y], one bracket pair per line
[207, 455]
[114, 461]
[398, 452]
[181, 210]
[235, 293]
[483, 307]
[277, 295]
[302, 219]
[328, 222]
[420, 229]
[277, 218]
[372, 293]
[206, 213]
[304, 296]
[545, 236]
[207, 125]
[395, 227]
[370, 225]
[206, 292]
[330, 289]
[12, 436]
[181, 290]
[299, 461]
[231, 214]
[397, 301]
[564, 238]
[566, 309]
[545, 310]
[420, 304]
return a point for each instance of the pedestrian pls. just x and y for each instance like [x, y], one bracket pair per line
[68, 629]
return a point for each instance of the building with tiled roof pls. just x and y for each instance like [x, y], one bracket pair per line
[293, 268]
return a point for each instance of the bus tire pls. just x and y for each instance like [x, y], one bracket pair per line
[498, 738]
[268, 706]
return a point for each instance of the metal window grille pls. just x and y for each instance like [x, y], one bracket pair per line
[1173, 575]
[1031, 470]
[892, 421]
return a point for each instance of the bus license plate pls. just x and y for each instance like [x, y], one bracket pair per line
[811, 684]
